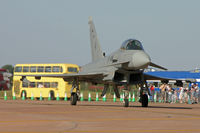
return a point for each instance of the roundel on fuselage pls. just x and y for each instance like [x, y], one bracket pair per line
[132, 44]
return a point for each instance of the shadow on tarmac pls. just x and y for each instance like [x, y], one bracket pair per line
[117, 106]
[164, 107]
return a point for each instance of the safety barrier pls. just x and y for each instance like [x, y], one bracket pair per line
[132, 97]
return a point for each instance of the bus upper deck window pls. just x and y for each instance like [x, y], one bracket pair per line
[26, 69]
[33, 69]
[18, 69]
[56, 69]
[40, 69]
[72, 69]
[61, 69]
[48, 69]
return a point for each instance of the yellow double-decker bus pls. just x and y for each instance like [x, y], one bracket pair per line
[45, 86]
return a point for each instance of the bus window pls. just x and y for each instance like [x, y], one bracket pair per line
[40, 85]
[33, 69]
[54, 85]
[25, 69]
[18, 69]
[25, 84]
[32, 85]
[48, 69]
[46, 84]
[72, 69]
[56, 69]
[40, 69]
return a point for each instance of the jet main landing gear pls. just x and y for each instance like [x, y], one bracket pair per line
[126, 94]
[74, 95]
[74, 98]
[144, 100]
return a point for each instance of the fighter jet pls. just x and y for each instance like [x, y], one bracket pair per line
[122, 67]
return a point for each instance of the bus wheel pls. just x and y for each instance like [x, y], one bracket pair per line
[73, 98]
[52, 95]
[24, 94]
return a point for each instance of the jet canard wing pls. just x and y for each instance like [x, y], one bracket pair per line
[157, 66]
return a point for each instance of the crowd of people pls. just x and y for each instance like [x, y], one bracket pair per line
[187, 94]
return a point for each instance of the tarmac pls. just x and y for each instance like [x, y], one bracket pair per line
[18, 116]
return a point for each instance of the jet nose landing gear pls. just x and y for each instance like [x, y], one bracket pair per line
[75, 95]
[126, 101]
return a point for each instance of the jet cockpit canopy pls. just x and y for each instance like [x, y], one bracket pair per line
[132, 44]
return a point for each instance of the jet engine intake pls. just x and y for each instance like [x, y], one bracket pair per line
[135, 78]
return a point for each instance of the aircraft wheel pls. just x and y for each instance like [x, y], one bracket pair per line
[126, 102]
[74, 98]
[144, 99]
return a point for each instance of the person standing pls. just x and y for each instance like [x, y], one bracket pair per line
[189, 94]
[196, 95]
[167, 88]
[169, 93]
[162, 89]
[181, 94]
[174, 95]
[152, 89]
[192, 93]
[186, 90]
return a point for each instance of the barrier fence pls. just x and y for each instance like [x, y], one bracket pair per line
[95, 96]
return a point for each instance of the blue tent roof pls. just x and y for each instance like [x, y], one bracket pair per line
[175, 74]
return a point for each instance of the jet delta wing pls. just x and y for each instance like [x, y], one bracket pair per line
[122, 67]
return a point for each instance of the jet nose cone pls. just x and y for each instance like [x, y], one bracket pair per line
[140, 60]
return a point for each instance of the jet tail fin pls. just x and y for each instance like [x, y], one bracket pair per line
[95, 45]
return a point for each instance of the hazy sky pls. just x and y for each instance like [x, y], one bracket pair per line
[57, 31]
